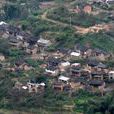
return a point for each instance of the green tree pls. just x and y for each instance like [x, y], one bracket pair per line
[103, 105]
[11, 11]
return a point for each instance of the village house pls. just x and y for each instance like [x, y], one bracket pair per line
[97, 75]
[75, 54]
[62, 53]
[62, 84]
[34, 87]
[59, 86]
[57, 54]
[101, 66]
[66, 84]
[3, 32]
[2, 57]
[22, 65]
[85, 51]
[92, 64]
[77, 83]
[108, 1]
[111, 75]
[13, 30]
[5, 35]
[87, 9]
[31, 87]
[3, 23]
[52, 71]
[18, 85]
[75, 70]
[64, 79]
[25, 45]
[15, 42]
[43, 56]
[43, 43]
[32, 49]
[21, 35]
[97, 86]
[75, 10]
[101, 55]
[86, 73]
[3, 26]
[53, 61]
[64, 65]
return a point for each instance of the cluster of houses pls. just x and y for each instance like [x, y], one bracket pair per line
[104, 1]
[87, 8]
[71, 76]
[20, 39]
[66, 74]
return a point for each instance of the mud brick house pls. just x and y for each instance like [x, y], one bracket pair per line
[85, 51]
[43, 43]
[32, 49]
[75, 10]
[64, 79]
[75, 70]
[101, 66]
[92, 63]
[97, 86]
[34, 87]
[2, 57]
[78, 83]
[88, 8]
[97, 75]
[53, 61]
[63, 51]
[58, 86]
[18, 85]
[62, 84]
[86, 73]
[52, 71]
[64, 66]
[15, 42]
[22, 65]
[3, 28]
[100, 54]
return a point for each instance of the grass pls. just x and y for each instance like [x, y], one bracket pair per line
[82, 19]
[4, 111]
[100, 40]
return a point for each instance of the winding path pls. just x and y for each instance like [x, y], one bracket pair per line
[80, 30]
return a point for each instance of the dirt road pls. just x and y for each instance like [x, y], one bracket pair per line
[80, 30]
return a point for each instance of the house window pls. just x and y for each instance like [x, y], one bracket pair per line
[111, 77]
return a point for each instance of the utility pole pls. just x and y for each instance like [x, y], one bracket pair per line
[70, 21]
